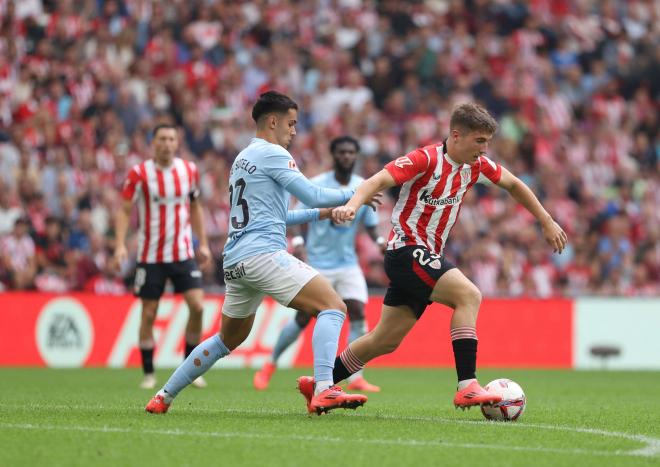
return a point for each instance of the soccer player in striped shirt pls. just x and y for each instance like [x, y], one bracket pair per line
[166, 191]
[433, 181]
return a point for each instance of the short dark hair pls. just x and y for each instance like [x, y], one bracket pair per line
[160, 126]
[344, 139]
[272, 101]
[472, 117]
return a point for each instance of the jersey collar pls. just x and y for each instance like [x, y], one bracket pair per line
[449, 160]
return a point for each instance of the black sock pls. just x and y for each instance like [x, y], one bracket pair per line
[189, 348]
[147, 360]
[340, 372]
[465, 356]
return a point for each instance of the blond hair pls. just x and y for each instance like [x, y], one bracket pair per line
[472, 117]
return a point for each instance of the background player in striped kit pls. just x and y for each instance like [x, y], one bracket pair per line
[166, 191]
[331, 251]
[434, 180]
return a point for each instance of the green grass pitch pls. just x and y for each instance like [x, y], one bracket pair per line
[96, 417]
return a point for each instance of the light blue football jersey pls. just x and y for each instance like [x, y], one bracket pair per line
[259, 199]
[331, 246]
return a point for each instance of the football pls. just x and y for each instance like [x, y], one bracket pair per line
[513, 401]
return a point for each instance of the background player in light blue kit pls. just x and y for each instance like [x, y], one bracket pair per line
[331, 250]
[257, 264]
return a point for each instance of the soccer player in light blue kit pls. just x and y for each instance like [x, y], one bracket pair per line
[331, 251]
[257, 264]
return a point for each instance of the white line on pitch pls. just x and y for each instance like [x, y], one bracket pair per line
[651, 449]
[387, 442]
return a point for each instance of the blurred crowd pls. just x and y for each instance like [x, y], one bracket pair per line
[574, 85]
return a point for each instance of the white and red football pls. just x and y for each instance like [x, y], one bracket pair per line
[513, 401]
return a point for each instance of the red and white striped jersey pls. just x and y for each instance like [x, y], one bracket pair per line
[163, 196]
[433, 187]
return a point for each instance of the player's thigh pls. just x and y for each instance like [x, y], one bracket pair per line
[453, 289]
[233, 331]
[149, 281]
[293, 283]
[185, 276]
[413, 272]
[241, 299]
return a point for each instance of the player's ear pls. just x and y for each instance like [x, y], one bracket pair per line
[272, 121]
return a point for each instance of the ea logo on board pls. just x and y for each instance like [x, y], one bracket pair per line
[64, 333]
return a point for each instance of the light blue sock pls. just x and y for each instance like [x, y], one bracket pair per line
[357, 329]
[288, 336]
[198, 362]
[325, 342]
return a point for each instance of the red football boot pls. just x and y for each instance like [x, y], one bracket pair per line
[335, 398]
[157, 405]
[474, 394]
[262, 377]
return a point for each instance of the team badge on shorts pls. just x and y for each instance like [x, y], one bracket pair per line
[435, 264]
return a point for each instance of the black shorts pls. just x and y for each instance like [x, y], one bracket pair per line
[150, 278]
[413, 272]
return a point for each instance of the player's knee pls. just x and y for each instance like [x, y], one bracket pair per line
[148, 315]
[471, 297]
[333, 302]
[339, 305]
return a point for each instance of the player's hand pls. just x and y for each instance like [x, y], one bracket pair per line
[121, 254]
[375, 201]
[343, 214]
[204, 257]
[555, 236]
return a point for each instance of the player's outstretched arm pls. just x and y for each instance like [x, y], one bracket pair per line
[364, 193]
[316, 196]
[553, 233]
[303, 216]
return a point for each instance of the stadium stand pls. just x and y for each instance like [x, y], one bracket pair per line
[574, 85]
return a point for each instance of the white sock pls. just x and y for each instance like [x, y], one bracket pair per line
[465, 383]
[321, 386]
[167, 398]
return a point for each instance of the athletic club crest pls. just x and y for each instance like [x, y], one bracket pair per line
[435, 264]
[466, 176]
